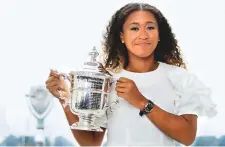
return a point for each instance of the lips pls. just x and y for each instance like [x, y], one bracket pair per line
[144, 43]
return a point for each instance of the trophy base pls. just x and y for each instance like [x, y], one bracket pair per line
[86, 122]
[78, 126]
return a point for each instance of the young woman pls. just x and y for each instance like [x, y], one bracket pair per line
[159, 100]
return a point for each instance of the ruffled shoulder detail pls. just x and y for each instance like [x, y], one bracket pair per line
[193, 96]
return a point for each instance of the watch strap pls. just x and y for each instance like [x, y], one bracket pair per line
[147, 109]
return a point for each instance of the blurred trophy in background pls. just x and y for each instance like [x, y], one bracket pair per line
[40, 104]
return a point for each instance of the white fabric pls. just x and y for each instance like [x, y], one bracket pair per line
[171, 88]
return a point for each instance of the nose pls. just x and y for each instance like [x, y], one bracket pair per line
[143, 34]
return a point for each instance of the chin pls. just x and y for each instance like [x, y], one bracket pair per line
[143, 55]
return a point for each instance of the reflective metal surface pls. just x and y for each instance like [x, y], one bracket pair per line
[90, 88]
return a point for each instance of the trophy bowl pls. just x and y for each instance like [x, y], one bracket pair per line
[90, 88]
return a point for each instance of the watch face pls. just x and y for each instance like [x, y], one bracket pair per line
[148, 108]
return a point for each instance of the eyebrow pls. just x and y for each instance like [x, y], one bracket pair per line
[136, 23]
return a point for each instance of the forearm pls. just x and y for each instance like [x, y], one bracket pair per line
[174, 126]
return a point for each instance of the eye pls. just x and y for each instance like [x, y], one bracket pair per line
[134, 29]
[150, 28]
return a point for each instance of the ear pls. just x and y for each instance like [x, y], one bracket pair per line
[121, 37]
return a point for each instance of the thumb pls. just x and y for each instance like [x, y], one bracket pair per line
[61, 94]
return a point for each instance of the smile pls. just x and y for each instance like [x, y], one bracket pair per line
[143, 44]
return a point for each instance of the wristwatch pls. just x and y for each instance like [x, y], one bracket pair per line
[147, 109]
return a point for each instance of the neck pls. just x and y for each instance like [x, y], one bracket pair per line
[142, 64]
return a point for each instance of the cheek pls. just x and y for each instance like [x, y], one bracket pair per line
[130, 38]
[154, 36]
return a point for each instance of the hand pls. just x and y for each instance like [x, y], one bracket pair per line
[56, 84]
[127, 89]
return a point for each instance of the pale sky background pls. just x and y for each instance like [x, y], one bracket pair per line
[38, 35]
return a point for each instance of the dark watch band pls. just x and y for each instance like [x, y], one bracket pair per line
[147, 109]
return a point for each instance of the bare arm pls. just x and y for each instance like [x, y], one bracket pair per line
[180, 128]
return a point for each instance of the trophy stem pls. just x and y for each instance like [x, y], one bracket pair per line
[86, 122]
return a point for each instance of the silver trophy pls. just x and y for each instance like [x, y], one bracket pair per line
[40, 104]
[90, 87]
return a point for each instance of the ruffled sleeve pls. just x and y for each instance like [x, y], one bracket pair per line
[193, 96]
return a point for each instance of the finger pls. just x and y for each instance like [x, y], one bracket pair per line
[53, 83]
[63, 83]
[123, 79]
[62, 95]
[120, 89]
[120, 94]
[54, 73]
[56, 83]
[53, 90]
[59, 86]
[121, 84]
[51, 79]
[56, 90]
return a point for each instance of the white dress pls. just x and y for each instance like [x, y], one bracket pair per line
[172, 88]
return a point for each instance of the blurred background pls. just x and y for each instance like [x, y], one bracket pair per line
[36, 36]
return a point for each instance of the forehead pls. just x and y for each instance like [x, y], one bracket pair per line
[140, 17]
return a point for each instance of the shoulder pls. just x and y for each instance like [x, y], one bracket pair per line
[194, 95]
[170, 67]
[171, 70]
[182, 78]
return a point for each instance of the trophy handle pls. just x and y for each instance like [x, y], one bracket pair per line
[66, 101]
[110, 105]
[68, 81]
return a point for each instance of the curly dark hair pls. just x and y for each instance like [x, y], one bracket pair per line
[167, 50]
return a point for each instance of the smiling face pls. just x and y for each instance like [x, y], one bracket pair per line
[140, 34]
